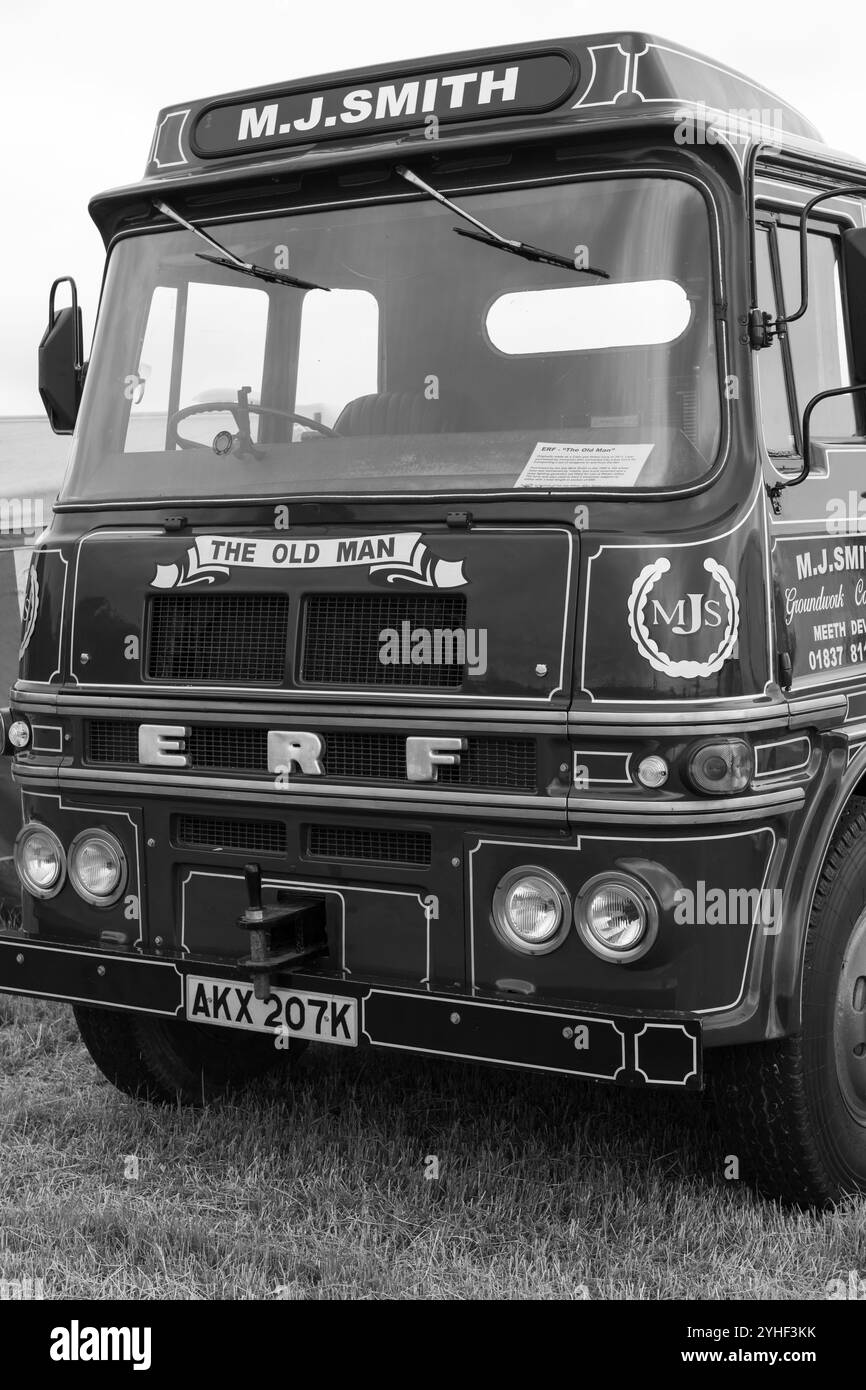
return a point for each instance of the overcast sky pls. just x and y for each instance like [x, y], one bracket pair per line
[83, 79]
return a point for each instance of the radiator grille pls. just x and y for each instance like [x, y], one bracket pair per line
[487, 761]
[220, 832]
[111, 741]
[372, 845]
[241, 749]
[234, 639]
[340, 642]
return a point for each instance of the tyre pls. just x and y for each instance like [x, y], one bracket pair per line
[796, 1108]
[166, 1059]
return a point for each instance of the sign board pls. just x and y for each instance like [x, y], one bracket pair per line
[518, 86]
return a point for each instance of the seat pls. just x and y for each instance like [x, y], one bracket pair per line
[397, 412]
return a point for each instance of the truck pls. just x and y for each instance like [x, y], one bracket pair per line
[450, 634]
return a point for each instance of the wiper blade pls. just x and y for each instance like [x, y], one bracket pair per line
[229, 261]
[530, 252]
[489, 237]
[260, 272]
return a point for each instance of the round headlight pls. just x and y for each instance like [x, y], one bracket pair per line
[39, 860]
[531, 910]
[616, 916]
[721, 768]
[19, 733]
[97, 867]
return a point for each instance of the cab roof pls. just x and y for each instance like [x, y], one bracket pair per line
[575, 78]
[574, 85]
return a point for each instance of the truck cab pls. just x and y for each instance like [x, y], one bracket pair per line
[450, 635]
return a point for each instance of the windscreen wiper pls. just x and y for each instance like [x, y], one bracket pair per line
[229, 261]
[488, 237]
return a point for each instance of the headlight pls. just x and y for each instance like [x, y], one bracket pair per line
[19, 733]
[531, 910]
[97, 867]
[616, 916]
[721, 768]
[39, 860]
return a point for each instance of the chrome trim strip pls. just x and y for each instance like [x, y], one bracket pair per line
[680, 721]
[616, 811]
[347, 711]
[829, 710]
[375, 798]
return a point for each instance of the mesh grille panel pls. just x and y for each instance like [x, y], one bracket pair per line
[111, 741]
[485, 762]
[215, 746]
[219, 832]
[370, 844]
[340, 642]
[231, 638]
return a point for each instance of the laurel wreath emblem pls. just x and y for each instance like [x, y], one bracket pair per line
[649, 648]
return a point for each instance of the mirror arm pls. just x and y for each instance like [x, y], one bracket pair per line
[849, 192]
[774, 490]
[762, 328]
[79, 364]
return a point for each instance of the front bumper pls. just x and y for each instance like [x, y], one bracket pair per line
[625, 1048]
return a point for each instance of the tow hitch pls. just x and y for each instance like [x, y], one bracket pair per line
[290, 931]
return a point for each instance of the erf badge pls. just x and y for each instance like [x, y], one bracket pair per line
[684, 634]
[31, 608]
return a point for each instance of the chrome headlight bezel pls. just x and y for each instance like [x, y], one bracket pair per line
[506, 931]
[24, 834]
[115, 848]
[639, 893]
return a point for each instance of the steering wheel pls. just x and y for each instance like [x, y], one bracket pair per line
[241, 409]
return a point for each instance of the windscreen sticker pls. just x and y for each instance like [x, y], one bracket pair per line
[584, 465]
[401, 555]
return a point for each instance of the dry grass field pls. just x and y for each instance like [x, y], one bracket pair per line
[314, 1187]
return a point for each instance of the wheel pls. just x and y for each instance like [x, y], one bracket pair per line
[797, 1107]
[166, 1059]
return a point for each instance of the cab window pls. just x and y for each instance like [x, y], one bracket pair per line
[813, 356]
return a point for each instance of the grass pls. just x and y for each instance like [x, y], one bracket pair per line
[314, 1188]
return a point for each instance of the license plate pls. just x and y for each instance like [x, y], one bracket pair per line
[316, 1017]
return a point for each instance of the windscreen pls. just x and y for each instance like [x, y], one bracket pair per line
[412, 359]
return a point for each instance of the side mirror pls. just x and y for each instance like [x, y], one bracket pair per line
[61, 370]
[854, 280]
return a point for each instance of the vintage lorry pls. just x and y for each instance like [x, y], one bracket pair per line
[451, 631]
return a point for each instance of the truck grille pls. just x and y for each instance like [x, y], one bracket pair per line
[233, 639]
[340, 642]
[507, 764]
[220, 832]
[372, 845]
